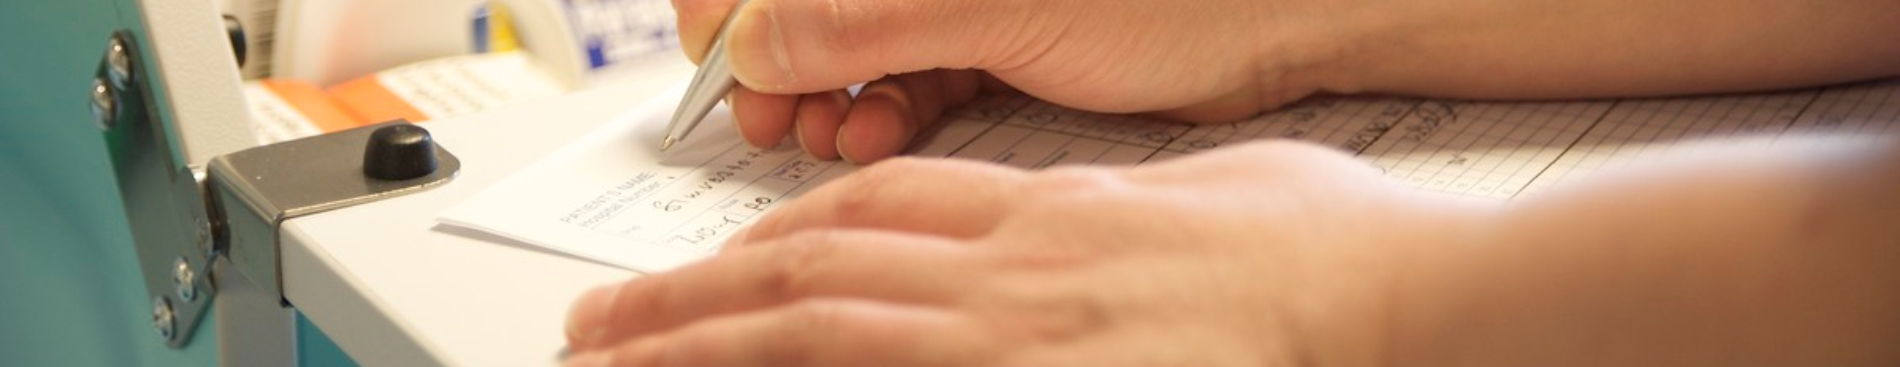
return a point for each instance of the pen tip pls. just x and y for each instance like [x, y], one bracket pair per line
[668, 143]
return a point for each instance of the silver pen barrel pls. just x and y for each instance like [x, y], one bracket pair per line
[710, 85]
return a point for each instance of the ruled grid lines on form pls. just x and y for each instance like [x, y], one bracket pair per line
[1022, 132]
[1495, 150]
[1862, 111]
[994, 129]
[1489, 149]
[1346, 123]
[1638, 129]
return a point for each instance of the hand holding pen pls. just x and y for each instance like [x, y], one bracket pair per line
[916, 58]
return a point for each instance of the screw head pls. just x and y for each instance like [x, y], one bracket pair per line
[204, 236]
[184, 280]
[105, 104]
[163, 320]
[119, 61]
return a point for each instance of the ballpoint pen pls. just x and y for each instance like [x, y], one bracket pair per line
[710, 84]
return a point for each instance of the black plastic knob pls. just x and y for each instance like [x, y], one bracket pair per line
[399, 152]
[235, 31]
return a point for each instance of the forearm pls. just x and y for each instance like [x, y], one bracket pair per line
[1786, 258]
[1593, 48]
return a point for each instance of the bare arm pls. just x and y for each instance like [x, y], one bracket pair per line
[1571, 48]
[1221, 60]
[1786, 257]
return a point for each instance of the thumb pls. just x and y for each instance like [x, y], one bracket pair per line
[805, 46]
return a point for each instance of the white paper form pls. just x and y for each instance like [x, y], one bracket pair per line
[613, 197]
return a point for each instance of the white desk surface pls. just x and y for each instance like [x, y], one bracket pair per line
[394, 288]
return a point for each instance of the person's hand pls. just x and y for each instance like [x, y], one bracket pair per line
[1270, 254]
[1222, 60]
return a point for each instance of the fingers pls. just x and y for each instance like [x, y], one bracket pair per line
[826, 332]
[881, 122]
[961, 86]
[805, 46]
[811, 264]
[950, 198]
[891, 112]
[818, 117]
[763, 119]
[892, 116]
[886, 117]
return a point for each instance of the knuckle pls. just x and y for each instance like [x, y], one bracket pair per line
[859, 198]
[873, 185]
[796, 262]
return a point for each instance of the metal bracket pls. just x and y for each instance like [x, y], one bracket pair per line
[182, 220]
[171, 228]
[259, 188]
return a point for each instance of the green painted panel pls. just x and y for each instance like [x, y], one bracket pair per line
[70, 293]
[314, 349]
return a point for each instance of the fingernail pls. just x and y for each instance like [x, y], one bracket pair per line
[587, 322]
[798, 133]
[876, 137]
[846, 156]
[601, 359]
[765, 67]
